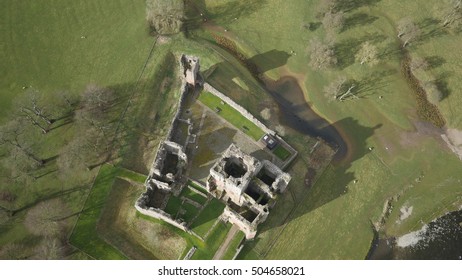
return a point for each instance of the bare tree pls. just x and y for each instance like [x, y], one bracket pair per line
[333, 22]
[335, 88]
[408, 31]
[76, 156]
[326, 6]
[33, 103]
[322, 55]
[46, 218]
[12, 134]
[340, 89]
[13, 251]
[451, 14]
[367, 54]
[165, 16]
[49, 249]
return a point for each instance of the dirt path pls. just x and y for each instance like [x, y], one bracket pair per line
[224, 246]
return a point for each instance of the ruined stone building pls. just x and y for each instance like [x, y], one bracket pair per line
[248, 187]
[166, 176]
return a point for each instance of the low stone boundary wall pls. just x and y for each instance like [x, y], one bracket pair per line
[161, 215]
[190, 253]
[237, 107]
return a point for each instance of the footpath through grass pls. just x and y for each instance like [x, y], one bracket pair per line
[232, 248]
[85, 236]
[231, 115]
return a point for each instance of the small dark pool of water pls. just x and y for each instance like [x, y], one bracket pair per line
[295, 113]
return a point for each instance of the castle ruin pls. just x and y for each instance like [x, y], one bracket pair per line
[246, 185]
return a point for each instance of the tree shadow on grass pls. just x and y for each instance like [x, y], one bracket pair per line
[268, 60]
[197, 12]
[358, 19]
[373, 83]
[346, 49]
[442, 85]
[435, 61]
[350, 5]
[431, 28]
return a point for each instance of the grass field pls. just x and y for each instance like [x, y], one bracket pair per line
[43, 47]
[85, 236]
[231, 115]
[62, 46]
[401, 151]
[193, 196]
[173, 205]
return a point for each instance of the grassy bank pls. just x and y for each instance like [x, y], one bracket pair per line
[231, 115]
[85, 236]
[402, 148]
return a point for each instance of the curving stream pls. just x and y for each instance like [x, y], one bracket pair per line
[294, 112]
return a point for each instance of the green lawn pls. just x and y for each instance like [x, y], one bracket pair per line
[205, 250]
[191, 211]
[173, 205]
[281, 152]
[43, 47]
[213, 242]
[197, 187]
[131, 175]
[186, 192]
[232, 248]
[231, 115]
[207, 217]
[85, 236]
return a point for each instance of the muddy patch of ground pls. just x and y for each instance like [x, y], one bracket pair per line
[453, 138]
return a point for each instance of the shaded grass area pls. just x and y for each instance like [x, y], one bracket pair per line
[190, 211]
[85, 236]
[197, 187]
[231, 115]
[136, 237]
[281, 152]
[173, 205]
[207, 217]
[132, 175]
[122, 236]
[213, 242]
[193, 196]
[205, 250]
[233, 245]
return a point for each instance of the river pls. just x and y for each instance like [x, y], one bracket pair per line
[294, 112]
[441, 239]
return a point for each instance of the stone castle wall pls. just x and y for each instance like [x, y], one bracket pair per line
[237, 107]
[234, 218]
[161, 215]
